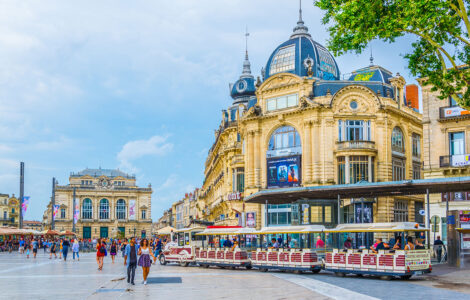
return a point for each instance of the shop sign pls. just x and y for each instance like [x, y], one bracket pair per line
[235, 196]
[460, 160]
[465, 219]
[455, 111]
[284, 172]
[251, 219]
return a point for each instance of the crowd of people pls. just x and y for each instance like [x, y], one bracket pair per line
[141, 252]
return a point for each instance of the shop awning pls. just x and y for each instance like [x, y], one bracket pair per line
[361, 190]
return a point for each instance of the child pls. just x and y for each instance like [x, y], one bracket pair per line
[27, 252]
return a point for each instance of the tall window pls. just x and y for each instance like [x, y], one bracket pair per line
[62, 213]
[398, 169]
[284, 138]
[121, 209]
[341, 170]
[87, 209]
[416, 170]
[283, 60]
[358, 168]
[354, 130]
[398, 143]
[143, 214]
[5, 215]
[238, 180]
[416, 144]
[104, 209]
[281, 102]
[457, 143]
[400, 212]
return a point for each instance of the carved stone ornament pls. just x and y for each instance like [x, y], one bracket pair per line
[366, 100]
[304, 103]
[254, 111]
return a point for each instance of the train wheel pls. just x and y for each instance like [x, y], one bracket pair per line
[184, 264]
[386, 277]
[233, 268]
[202, 265]
[263, 270]
[316, 271]
[206, 266]
[248, 267]
[163, 260]
[340, 274]
[405, 277]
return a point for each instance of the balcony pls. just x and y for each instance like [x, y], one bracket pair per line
[456, 161]
[453, 112]
[355, 145]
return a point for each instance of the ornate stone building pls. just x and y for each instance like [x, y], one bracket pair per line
[303, 125]
[9, 210]
[446, 129]
[110, 205]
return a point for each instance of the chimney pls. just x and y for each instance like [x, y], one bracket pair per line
[412, 96]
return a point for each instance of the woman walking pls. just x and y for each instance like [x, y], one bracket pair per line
[75, 249]
[144, 260]
[113, 250]
[65, 248]
[60, 249]
[100, 253]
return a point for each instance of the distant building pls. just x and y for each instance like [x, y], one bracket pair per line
[110, 205]
[35, 225]
[9, 210]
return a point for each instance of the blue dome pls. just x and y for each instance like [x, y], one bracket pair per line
[299, 53]
[244, 88]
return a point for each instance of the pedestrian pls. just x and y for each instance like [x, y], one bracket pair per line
[130, 260]
[53, 249]
[113, 250]
[60, 248]
[144, 260]
[438, 245]
[10, 245]
[21, 246]
[100, 253]
[35, 247]
[27, 246]
[158, 248]
[123, 247]
[348, 243]
[65, 248]
[75, 249]
[44, 245]
[320, 243]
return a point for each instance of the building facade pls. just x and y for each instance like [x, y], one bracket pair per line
[9, 210]
[446, 129]
[109, 203]
[35, 225]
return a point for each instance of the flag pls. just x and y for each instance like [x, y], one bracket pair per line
[131, 209]
[76, 213]
[56, 210]
[24, 205]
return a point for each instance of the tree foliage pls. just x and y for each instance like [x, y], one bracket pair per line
[441, 52]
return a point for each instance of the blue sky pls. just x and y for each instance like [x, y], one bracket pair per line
[135, 85]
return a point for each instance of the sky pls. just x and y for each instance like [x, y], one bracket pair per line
[134, 85]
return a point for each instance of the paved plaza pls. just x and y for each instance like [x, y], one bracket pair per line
[42, 278]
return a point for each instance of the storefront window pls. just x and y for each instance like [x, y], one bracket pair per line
[279, 214]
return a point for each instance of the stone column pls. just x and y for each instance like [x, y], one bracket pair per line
[315, 151]
[307, 152]
[257, 159]
[369, 168]
[251, 157]
[346, 169]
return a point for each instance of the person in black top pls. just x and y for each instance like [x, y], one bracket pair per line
[131, 254]
[65, 248]
[380, 245]
[438, 245]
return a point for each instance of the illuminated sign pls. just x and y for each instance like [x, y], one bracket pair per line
[284, 172]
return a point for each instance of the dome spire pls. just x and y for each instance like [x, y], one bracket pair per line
[246, 63]
[300, 29]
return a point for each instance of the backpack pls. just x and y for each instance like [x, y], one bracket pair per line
[102, 250]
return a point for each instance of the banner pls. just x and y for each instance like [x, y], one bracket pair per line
[131, 209]
[284, 171]
[76, 213]
[24, 205]
[55, 211]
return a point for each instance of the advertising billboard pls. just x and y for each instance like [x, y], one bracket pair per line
[251, 219]
[284, 171]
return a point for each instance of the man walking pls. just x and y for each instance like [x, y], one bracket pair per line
[130, 260]
[438, 245]
[35, 247]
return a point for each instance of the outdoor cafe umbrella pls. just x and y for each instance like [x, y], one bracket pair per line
[50, 232]
[165, 230]
[67, 232]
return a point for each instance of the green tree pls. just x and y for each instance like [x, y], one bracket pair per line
[441, 52]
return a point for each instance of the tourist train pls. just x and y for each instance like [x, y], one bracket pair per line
[309, 248]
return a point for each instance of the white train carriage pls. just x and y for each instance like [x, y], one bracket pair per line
[183, 247]
[362, 260]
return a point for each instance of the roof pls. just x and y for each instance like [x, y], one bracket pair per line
[102, 172]
[377, 227]
[371, 73]
[358, 190]
[325, 87]
[227, 230]
[291, 229]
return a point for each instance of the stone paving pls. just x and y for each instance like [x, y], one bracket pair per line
[44, 278]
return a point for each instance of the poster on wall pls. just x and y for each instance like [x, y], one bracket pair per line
[284, 171]
[251, 219]
[305, 208]
[131, 209]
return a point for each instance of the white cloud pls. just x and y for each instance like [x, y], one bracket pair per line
[156, 145]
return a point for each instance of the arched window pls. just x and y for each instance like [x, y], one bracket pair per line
[284, 141]
[398, 143]
[87, 209]
[121, 209]
[104, 209]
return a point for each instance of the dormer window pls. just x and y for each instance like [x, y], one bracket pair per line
[283, 61]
